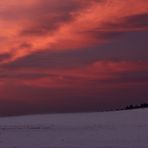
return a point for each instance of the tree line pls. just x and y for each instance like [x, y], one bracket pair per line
[143, 105]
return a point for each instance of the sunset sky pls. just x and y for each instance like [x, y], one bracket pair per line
[72, 55]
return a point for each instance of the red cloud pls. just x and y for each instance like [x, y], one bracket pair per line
[56, 25]
[96, 75]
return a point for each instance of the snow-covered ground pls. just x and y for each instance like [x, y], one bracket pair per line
[121, 129]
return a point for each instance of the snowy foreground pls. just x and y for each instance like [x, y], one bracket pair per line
[122, 129]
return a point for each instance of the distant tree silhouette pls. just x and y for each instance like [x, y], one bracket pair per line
[143, 105]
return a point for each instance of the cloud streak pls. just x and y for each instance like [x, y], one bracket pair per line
[97, 72]
[53, 25]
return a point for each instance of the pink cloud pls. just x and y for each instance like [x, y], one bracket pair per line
[95, 75]
[65, 25]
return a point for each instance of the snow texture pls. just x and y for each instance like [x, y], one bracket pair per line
[120, 129]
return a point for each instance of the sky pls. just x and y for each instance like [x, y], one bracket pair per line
[72, 55]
